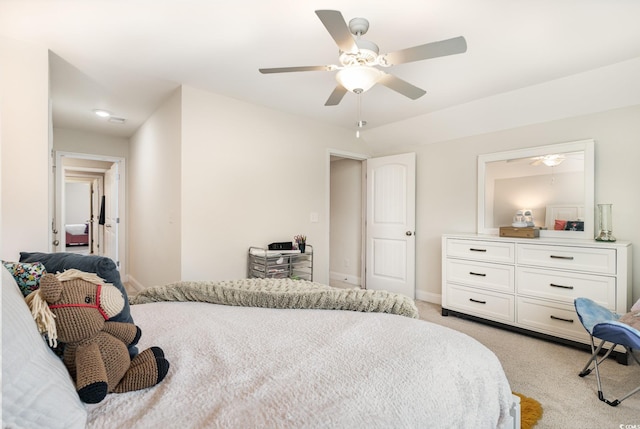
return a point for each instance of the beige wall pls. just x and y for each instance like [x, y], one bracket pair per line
[447, 181]
[24, 137]
[78, 141]
[346, 220]
[154, 201]
[251, 176]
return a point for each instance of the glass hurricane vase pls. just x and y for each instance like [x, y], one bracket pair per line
[604, 223]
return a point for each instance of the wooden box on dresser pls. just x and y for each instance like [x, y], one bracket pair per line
[530, 283]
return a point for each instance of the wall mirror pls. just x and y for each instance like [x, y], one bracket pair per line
[555, 182]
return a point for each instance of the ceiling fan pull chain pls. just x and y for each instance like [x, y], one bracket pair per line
[360, 122]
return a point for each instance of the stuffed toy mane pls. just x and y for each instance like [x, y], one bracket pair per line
[74, 307]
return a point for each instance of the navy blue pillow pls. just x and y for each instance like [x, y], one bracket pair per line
[104, 267]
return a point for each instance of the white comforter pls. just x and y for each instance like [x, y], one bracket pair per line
[245, 367]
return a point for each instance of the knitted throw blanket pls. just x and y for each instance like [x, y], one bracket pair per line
[280, 293]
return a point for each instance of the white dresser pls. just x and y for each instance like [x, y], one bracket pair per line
[531, 283]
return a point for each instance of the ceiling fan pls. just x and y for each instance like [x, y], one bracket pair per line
[359, 58]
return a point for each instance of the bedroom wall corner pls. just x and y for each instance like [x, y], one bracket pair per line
[154, 197]
[251, 176]
[24, 141]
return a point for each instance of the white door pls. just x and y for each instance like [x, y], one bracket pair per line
[390, 232]
[96, 198]
[111, 178]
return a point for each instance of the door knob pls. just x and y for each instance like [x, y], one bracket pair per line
[408, 233]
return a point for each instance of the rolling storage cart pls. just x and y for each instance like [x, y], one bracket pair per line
[264, 263]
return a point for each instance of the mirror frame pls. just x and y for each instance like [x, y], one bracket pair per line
[589, 184]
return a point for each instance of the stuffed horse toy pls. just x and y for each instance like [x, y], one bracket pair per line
[74, 307]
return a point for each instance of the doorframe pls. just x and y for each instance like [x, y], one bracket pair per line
[327, 252]
[57, 198]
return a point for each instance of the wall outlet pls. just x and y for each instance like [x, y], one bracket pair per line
[347, 262]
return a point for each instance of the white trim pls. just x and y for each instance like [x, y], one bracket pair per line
[58, 195]
[134, 284]
[348, 278]
[343, 154]
[434, 298]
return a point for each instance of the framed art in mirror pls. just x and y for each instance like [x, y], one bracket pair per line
[555, 183]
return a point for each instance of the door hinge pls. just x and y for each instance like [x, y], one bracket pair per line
[117, 220]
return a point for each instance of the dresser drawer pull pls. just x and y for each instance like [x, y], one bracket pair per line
[477, 250]
[561, 257]
[561, 319]
[477, 274]
[560, 286]
[477, 301]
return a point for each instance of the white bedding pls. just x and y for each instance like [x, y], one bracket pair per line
[247, 367]
[76, 228]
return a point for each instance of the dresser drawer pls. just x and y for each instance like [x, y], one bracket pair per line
[481, 250]
[565, 286]
[481, 274]
[494, 306]
[551, 318]
[585, 259]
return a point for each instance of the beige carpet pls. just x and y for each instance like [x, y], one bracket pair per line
[548, 372]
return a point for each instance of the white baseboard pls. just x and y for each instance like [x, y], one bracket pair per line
[349, 278]
[434, 298]
[134, 284]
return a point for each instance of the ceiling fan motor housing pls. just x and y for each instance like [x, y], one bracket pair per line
[358, 26]
[367, 54]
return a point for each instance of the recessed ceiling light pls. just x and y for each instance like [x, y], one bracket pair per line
[102, 113]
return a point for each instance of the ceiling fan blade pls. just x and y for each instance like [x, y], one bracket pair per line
[457, 45]
[401, 86]
[337, 27]
[295, 69]
[336, 96]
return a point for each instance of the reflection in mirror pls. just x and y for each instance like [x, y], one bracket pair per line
[555, 183]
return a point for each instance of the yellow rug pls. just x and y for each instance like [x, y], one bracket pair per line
[530, 411]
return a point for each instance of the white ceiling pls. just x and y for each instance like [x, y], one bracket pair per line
[127, 56]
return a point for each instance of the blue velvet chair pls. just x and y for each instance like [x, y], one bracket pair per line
[604, 324]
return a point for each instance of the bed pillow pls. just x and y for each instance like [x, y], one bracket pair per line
[104, 267]
[560, 225]
[26, 274]
[37, 390]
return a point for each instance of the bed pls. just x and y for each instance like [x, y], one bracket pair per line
[237, 366]
[77, 234]
[565, 217]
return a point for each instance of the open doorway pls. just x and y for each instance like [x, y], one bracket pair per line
[78, 220]
[89, 205]
[346, 219]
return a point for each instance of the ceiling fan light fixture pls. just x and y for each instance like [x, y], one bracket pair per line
[552, 160]
[358, 78]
